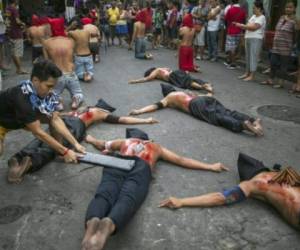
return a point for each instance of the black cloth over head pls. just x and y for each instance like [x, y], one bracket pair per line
[149, 71]
[104, 105]
[249, 167]
[136, 133]
[166, 89]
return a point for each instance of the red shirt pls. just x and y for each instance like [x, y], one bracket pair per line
[149, 14]
[86, 20]
[235, 14]
[57, 26]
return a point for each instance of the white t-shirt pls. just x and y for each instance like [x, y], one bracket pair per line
[213, 25]
[259, 33]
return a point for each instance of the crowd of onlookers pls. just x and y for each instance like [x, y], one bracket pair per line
[219, 26]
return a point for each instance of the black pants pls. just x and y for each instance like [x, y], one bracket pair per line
[120, 193]
[212, 111]
[279, 65]
[41, 153]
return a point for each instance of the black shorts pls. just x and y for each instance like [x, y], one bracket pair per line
[157, 31]
[37, 52]
[94, 48]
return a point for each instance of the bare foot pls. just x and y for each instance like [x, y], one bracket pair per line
[17, 171]
[99, 238]
[91, 228]
[208, 87]
[22, 72]
[243, 76]
[255, 129]
[87, 77]
[249, 78]
[89, 139]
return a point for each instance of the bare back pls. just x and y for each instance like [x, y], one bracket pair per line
[82, 39]
[139, 29]
[285, 199]
[61, 50]
[187, 36]
[146, 150]
[94, 32]
[179, 100]
[37, 34]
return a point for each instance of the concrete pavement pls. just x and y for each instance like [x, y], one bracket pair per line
[46, 211]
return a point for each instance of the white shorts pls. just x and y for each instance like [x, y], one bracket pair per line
[200, 38]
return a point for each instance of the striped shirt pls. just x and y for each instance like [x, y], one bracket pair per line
[284, 36]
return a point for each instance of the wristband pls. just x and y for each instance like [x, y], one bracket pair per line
[65, 152]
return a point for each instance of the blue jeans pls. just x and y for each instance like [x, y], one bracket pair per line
[84, 64]
[71, 83]
[140, 48]
[212, 42]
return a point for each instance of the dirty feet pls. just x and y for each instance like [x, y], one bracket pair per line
[97, 240]
[255, 128]
[17, 171]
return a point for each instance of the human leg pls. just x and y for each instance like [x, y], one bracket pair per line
[79, 67]
[58, 90]
[89, 68]
[140, 48]
[214, 44]
[73, 85]
[255, 48]
[247, 58]
[17, 53]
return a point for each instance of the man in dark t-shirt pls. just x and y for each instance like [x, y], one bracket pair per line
[30, 103]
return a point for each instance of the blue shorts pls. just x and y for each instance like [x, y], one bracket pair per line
[84, 64]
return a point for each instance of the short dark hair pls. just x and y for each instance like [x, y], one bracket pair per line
[234, 1]
[149, 71]
[259, 4]
[45, 69]
[295, 3]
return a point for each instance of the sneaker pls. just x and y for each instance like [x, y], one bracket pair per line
[76, 101]
[232, 66]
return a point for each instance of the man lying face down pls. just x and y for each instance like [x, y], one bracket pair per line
[205, 108]
[278, 188]
[121, 193]
[178, 78]
[37, 154]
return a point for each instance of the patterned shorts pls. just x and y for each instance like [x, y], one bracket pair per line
[17, 47]
[232, 42]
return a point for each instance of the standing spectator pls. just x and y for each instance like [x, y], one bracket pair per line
[158, 26]
[15, 33]
[200, 13]
[113, 15]
[104, 26]
[121, 27]
[70, 10]
[186, 8]
[149, 13]
[133, 10]
[283, 42]
[2, 41]
[172, 25]
[296, 87]
[255, 30]
[233, 14]
[212, 30]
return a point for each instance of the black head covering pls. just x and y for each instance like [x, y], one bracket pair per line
[149, 71]
[104, 105]
[136, 133]
[166, 89]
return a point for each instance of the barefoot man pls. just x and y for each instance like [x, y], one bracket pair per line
[94, 40]
[30, 103]
[121, 193]
[205, 108]
[186, 51]
[139, 37]
[178, 78]
[37, 154]
[36, 34]
[280, 189]
[83, 57]
[60, 50]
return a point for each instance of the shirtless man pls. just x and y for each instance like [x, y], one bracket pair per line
[121, 193]
[94, 40]
[61, 50]
[36, 34]
[205, 108]
[83, 58]
[278, 188]
[139, 37]
[178, 78]
[37, 154]
[186, 52]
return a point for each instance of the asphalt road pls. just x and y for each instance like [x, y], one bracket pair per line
[47, 210]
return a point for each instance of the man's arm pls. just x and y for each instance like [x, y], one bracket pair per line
[148, 78]
[57, 123]
[228, 197]
[38, 132]
[185, 162]
[133, 35]
[103, 145]
[151, 108]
